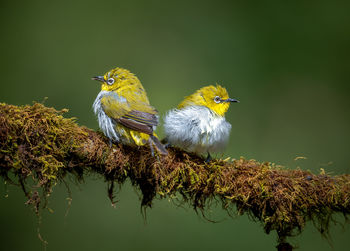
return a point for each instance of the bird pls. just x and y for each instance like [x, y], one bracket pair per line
[198, 124]
[124, 112]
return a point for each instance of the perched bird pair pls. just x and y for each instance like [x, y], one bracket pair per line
[125, 115]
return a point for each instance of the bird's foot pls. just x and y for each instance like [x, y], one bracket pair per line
[167, 145]
[151, 147]
[209, 158]
[110, 143]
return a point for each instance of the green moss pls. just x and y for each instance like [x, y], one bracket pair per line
[38, 142]
[38, 137]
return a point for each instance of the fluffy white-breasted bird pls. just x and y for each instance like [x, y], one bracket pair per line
[198, 124]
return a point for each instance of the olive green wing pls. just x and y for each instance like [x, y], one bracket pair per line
[115, 106]
[138, 116]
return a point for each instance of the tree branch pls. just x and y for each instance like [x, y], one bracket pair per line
[38, 147]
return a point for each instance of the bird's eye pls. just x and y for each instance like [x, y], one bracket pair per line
[217, 99]
[110, 81]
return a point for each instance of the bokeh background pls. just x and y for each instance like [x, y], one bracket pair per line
[286, 61]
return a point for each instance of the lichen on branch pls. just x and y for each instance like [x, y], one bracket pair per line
[38, 147]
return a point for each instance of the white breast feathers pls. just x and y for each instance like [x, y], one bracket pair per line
[196, 129]
[106, 124]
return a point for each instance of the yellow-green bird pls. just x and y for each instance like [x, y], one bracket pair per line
[198, 124]
[123, 110]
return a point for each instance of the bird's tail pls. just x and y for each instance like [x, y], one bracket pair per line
[159, 145]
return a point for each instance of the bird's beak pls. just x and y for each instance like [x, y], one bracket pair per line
[230, 100]
[99, 78]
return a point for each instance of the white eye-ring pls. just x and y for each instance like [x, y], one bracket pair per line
[217, 99]
[110, 81]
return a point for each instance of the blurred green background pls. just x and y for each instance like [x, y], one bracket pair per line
[287, 62]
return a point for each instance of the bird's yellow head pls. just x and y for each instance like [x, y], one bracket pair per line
[117, 78]
[214, 97]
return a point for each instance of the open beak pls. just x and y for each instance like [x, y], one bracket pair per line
[230, 100]
[99, 78]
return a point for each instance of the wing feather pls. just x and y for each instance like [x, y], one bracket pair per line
[136, 126]
[128, 114]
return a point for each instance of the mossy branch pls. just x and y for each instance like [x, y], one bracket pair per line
[38, 147]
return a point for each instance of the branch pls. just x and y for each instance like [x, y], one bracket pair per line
[39, 147]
